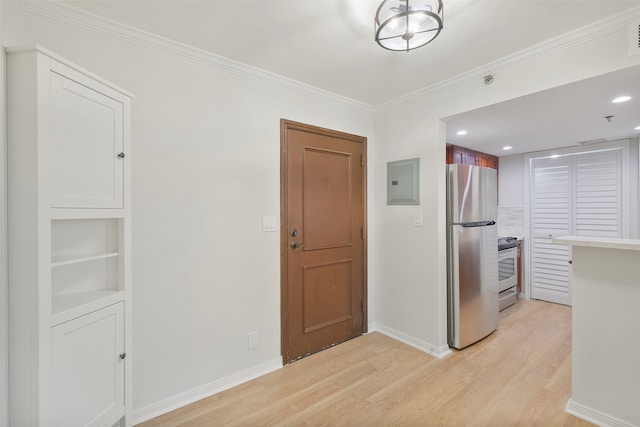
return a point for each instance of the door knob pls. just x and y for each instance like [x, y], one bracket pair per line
[123, 355]
[296, 245]
[293, 232]
[121, 155]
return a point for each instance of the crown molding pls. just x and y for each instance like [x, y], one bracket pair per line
[619, 22]
[91, 22]
[98, 24]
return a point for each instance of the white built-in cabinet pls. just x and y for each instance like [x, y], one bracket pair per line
[69, 244]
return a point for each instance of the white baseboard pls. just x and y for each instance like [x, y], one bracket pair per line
[594, 416]
[167, 405]
[182, 399]
[438, 352]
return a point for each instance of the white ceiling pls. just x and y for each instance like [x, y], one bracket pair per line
[560, 117]
[329, 44]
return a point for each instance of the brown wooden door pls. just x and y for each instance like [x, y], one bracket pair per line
[323, 238]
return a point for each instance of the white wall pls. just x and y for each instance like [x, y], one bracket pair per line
[410, 272]
[634, 178]
[511, 181]
[206, 168]
[4, 308]
[511, 203]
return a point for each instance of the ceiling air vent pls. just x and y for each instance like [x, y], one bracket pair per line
[634, 38]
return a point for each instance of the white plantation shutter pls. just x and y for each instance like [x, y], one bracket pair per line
[551, 211]
[598, 206]
[579, 194]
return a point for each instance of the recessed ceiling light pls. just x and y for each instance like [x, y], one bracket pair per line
[507, 147]
[624, 98]
[462, 132]
[637, 128]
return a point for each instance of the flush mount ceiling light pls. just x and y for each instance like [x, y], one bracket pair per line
[621, 99]
[407, 24]
[461, 132]
[507, 147]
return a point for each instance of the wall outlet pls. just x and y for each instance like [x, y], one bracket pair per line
[253, 340]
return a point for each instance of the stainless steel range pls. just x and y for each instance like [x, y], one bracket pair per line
[507, 271]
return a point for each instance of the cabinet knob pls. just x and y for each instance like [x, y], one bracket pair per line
[121, 155]
[123, 355]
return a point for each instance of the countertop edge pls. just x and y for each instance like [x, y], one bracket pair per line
[599, 242]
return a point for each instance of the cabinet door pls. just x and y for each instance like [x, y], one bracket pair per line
[88, 372]
[471, 158]
[86, 139]
[488, 161]
[455, 154]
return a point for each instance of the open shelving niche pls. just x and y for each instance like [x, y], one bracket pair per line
[86, 266]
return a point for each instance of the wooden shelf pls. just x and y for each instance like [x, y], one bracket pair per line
[67, 213]
[60, 260]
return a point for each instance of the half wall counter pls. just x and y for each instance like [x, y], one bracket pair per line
[605, 379]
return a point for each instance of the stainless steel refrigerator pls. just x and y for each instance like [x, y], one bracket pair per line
[472, 253]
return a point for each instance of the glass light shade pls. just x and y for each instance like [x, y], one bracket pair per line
[407, 24]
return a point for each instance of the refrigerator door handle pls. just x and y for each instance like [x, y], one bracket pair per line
[474, 224]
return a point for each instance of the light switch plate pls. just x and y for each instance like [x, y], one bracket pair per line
[269, 223]
[417, 219]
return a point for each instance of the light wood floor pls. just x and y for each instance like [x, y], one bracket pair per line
[518, 376]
